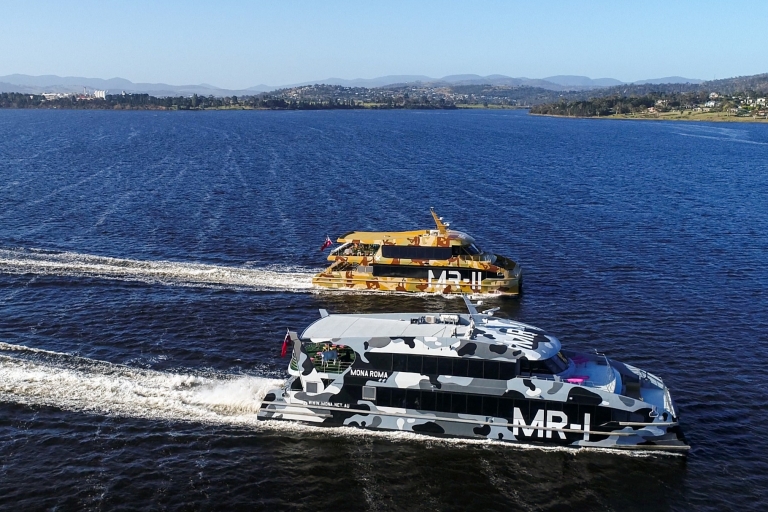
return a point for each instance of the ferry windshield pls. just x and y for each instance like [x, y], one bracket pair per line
[558, 363]
[473, 250]
[464, 250]
[552, 366]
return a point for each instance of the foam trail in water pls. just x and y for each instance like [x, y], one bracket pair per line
[43, 378]
[166, 272]
[38, 377]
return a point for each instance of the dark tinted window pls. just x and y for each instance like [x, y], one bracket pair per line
[507, 371]
[459, 403]
[474, 404]
[490, 405]
[554, 406]
[601, 416]
[475, 369]
[429, 366]
[443, 402]
[490, 369]
[428, 401]
[414, 364]
[398, 397]
[444, 366]
[572, 411]
[384, 397]
[506, 407]
[399, 362]
[380, 361]
[413, 399]
[619, 415]
[460, 367]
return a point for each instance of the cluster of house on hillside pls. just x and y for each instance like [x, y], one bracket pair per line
[393, 96]
[85, 95]
[739, 105]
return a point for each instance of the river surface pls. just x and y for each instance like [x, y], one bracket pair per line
[150, 264]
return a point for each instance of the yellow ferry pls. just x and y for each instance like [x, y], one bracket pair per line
[437, 260]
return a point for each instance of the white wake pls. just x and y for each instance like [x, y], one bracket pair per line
[165, 272]
[42, 378]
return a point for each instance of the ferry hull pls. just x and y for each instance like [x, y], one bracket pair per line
[366, 281]
[664, 437]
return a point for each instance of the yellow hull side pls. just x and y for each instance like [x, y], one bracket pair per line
[351, 280]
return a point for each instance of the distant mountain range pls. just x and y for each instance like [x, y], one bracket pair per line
[68, 84]
[52, 83]
[552, 83]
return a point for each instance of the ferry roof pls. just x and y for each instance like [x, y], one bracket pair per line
[387, 326]
[378, 237]
[480, 335]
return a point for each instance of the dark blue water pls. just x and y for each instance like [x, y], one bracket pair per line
[151, 262]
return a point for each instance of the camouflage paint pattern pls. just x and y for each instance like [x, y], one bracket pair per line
[552, 409]
[355, 272]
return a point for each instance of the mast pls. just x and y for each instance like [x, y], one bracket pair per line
[441, 227]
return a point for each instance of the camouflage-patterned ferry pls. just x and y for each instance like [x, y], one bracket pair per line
[469, 375]
[440, 260]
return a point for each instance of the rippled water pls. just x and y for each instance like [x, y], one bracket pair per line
[150, 264]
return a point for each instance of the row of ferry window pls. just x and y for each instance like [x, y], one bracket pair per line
[420, 272]
[483, 405]
[461, 367]
[411, 252]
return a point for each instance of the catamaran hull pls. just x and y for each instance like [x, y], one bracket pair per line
[352, 280]
[663, 436]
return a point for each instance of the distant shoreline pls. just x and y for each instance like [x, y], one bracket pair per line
[687, 116]
[322, 100]
[156, 108]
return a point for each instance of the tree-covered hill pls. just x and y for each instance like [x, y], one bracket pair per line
[739, 95]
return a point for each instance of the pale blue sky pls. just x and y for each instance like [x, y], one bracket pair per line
[238, 44]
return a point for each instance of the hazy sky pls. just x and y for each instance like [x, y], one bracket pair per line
[237, 43]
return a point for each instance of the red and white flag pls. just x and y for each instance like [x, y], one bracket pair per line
[286, 340]
[326, 244]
